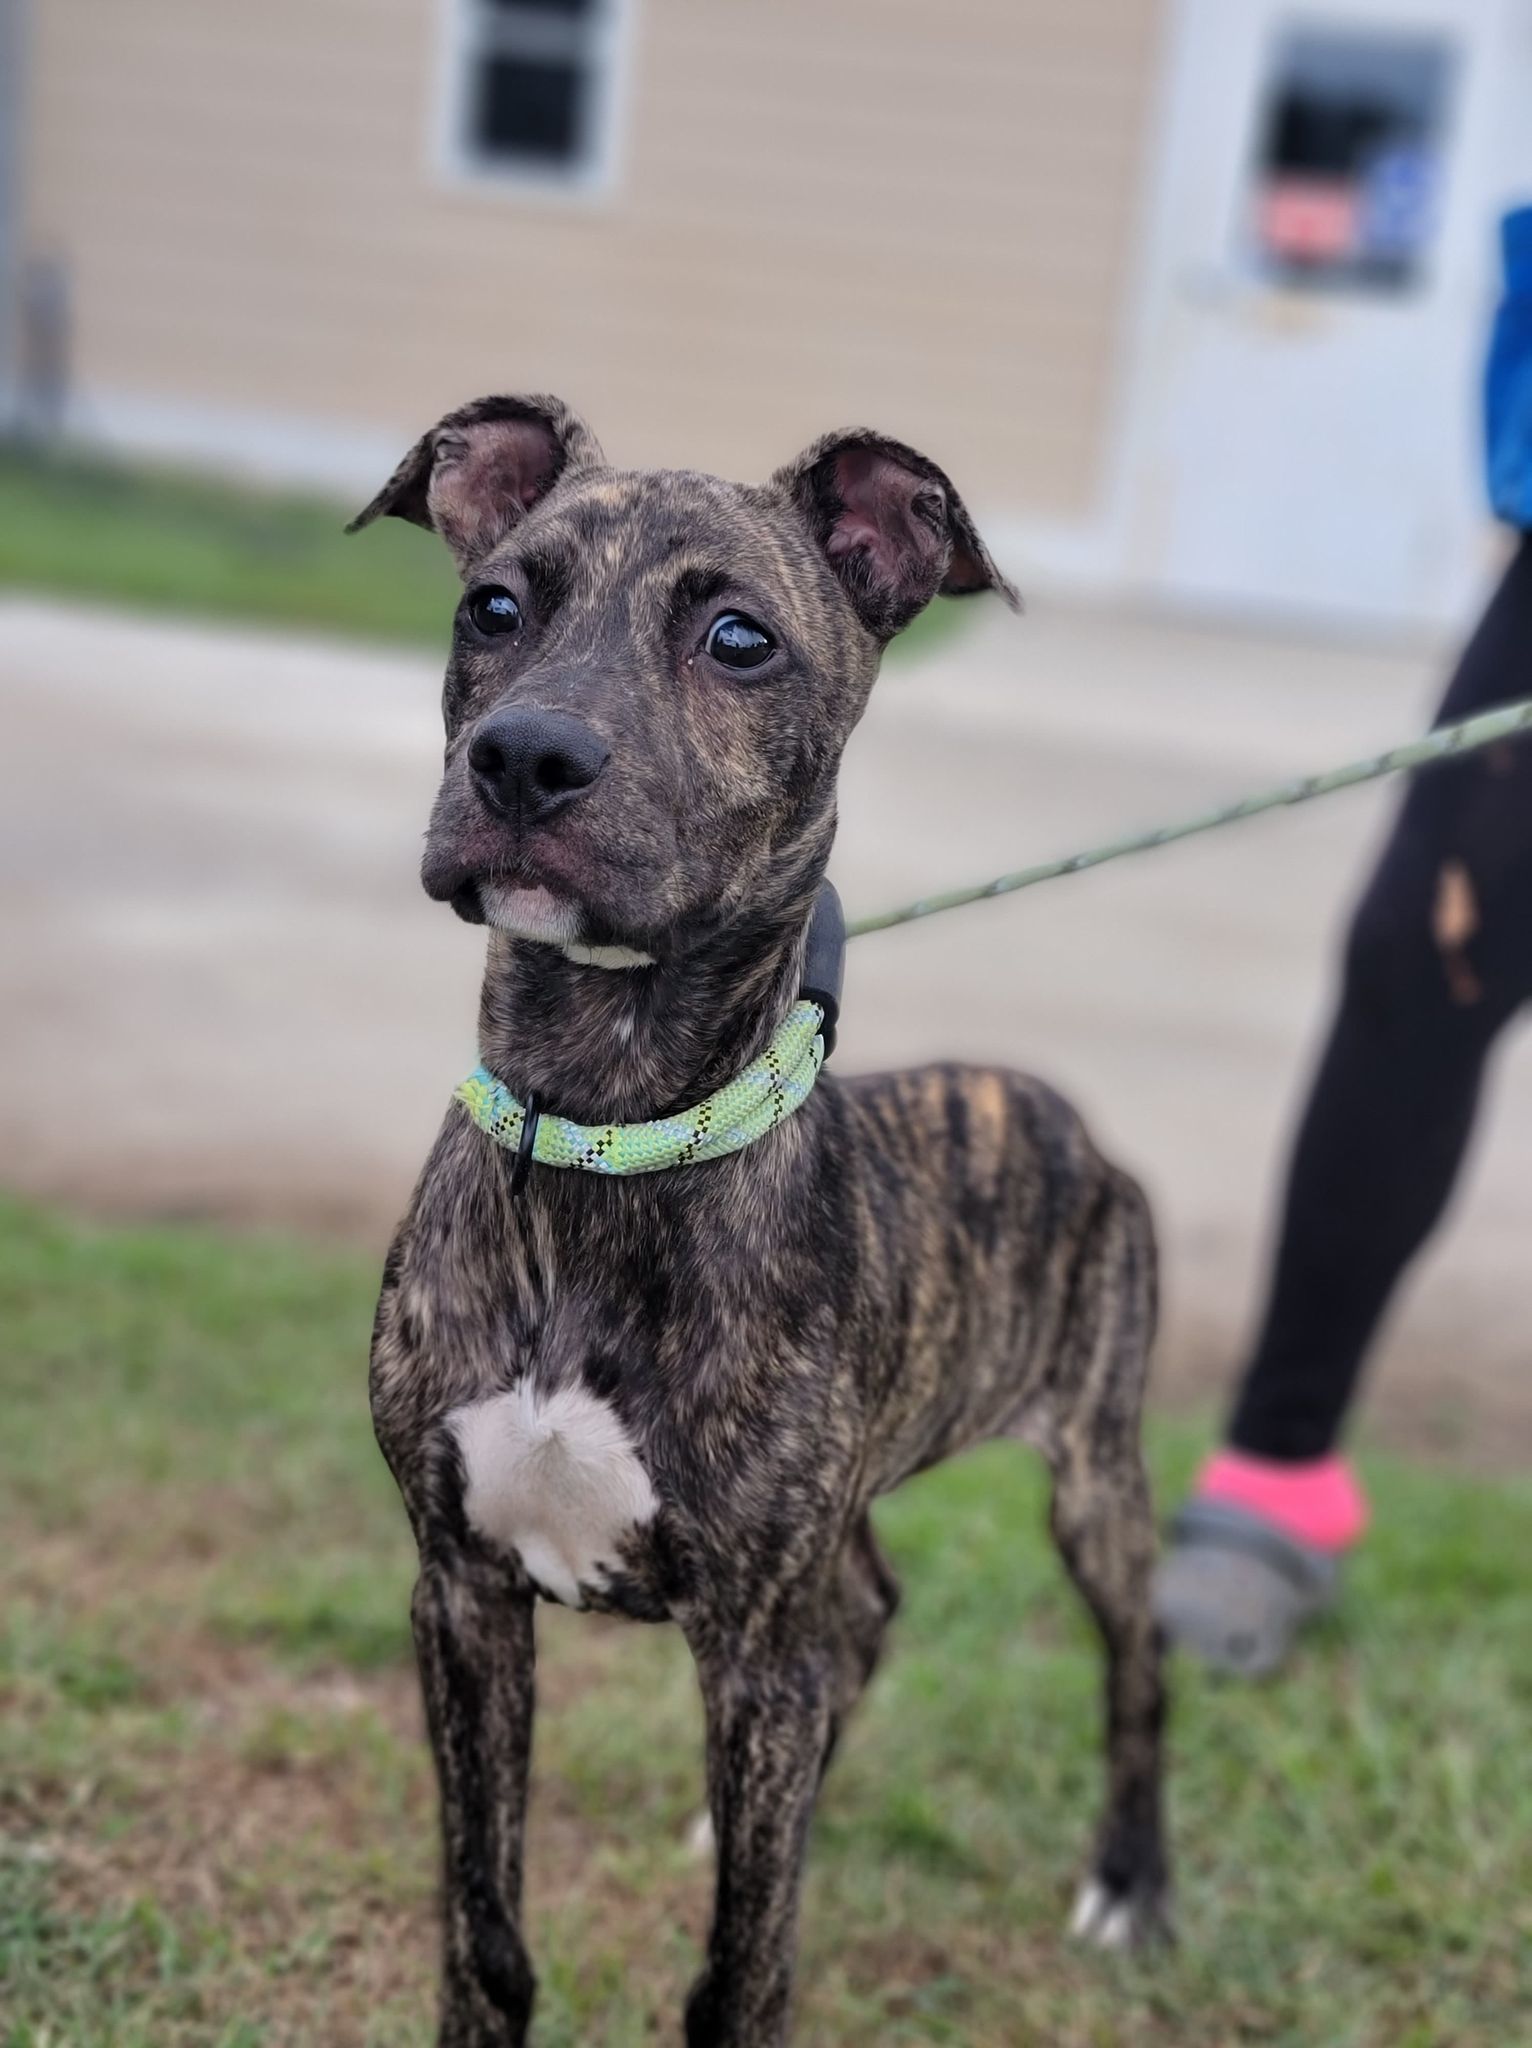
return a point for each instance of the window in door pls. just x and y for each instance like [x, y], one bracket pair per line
[1350, 158]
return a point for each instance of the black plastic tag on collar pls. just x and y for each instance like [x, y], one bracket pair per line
[521, 1165]
[824, 960]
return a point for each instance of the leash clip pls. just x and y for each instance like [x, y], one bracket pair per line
[531, 1116]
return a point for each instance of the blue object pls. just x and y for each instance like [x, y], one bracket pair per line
[1508, 380]
[1399, 203]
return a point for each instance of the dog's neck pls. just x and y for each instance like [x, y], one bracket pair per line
[621, 1045]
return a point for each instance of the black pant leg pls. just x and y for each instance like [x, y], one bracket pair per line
[1439, 957]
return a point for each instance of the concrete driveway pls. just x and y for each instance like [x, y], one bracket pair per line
[223, 992]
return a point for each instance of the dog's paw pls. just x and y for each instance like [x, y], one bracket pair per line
[1135, 1919]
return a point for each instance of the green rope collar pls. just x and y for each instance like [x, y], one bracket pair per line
[752, 1104]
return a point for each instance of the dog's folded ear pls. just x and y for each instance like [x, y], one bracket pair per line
[893, 527]
[483, 468]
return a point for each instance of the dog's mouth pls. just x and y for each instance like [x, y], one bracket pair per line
[569, 882]
[524, 910]
[529, 899]
[537, 914]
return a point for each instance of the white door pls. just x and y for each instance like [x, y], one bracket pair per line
[1303, 423]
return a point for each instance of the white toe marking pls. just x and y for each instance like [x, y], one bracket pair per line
[1101, 1919]
[700, 1839]
[555, 1479]
[1092, 1903]
[1117, 1929]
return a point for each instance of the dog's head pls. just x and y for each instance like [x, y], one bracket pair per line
[653, 673]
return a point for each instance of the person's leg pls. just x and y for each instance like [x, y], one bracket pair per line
[1377, 1154]
[1440, 956]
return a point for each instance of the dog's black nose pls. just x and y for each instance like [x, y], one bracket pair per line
[530, 763]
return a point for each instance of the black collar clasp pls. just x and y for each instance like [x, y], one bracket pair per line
[521, 1165]
[824, 960]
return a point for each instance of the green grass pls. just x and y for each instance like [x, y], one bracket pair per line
[216, 1815]
[161, 541]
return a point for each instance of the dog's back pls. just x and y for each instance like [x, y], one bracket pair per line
[990, 1226]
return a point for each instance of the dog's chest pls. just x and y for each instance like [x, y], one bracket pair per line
[555, 1479]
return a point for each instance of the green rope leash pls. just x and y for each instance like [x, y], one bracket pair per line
[754, 1102]
[1447, 741]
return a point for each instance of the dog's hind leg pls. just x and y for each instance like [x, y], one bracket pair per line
[474, 1641]
[1103, 1525]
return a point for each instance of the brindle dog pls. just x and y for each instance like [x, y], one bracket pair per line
[675, 1396]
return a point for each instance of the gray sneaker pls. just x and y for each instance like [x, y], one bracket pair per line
[1233, 1590]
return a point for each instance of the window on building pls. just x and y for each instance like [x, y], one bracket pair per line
[534, 88]
[1350, 158]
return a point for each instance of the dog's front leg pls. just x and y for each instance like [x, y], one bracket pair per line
[474, 1640]
[768, 1729]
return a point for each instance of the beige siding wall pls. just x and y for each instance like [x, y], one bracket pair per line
[899, 212]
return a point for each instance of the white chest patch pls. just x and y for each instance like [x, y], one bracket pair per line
[554, 1478]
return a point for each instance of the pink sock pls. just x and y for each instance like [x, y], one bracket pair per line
[1319, 1503]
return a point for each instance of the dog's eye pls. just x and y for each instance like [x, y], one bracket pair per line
[738, 642]
[494, 610]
